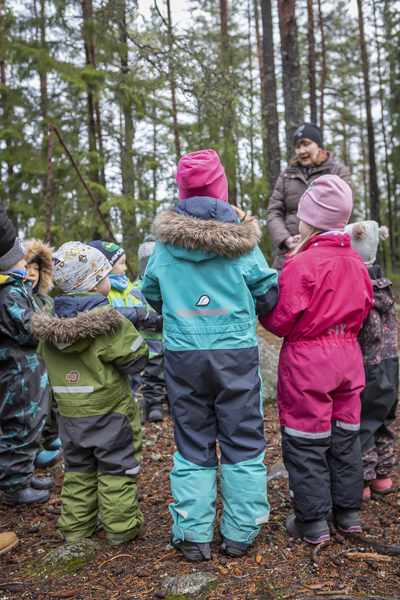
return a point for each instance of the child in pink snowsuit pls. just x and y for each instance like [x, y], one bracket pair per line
[325, 295]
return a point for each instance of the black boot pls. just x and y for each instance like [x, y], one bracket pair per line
[155, 413]
[347, 520]
[191, 551]
[313, 532]
[41, 483]
[26, 496]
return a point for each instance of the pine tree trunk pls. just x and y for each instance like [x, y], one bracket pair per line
[229, 151]
[385, 141]
[291, 80]
[324, 71]
[49, 182]
[373, 180]
[173, 86]
[4, 103]
[251, 111]
[43, 75]
[311, 61]
[87, 13]
[128, 129]
[261, 68]
[271, 121]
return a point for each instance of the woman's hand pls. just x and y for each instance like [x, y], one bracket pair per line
[292, 241]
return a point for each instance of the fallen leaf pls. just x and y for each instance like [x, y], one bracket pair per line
[252, 588]
[258, 559]
[223, 570]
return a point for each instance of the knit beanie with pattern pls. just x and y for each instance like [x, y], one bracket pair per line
[111, 251]
[78, 267]
[145, 251]
[309, 131]
[365, 237]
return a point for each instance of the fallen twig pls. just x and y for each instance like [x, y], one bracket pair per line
[388, 549]
[113, 558]
[368, 555]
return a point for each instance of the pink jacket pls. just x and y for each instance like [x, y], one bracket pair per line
[325, 295]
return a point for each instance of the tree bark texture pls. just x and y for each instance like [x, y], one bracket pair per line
[173, 86]
[271, 121]
[49, 184]
[43, 75]
[385, 141]
[324, 71]
[229, 150]
[261, 68]
[373, 180]
[128, 128]
[291, 81]
[4, 104]
[311, 61]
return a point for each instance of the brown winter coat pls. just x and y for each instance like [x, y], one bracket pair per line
[282, 218]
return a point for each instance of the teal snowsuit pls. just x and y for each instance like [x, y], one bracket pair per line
[211, 279]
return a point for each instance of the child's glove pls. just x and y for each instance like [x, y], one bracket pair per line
[147, 319]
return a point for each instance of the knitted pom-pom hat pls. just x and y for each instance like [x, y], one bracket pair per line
[201, 174]
[327, 203]
[365, 237]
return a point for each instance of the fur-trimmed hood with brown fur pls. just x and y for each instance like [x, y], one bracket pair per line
[192, 233]
[41, 253]
[64, 330]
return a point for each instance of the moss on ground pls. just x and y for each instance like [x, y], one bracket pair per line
[38, 569]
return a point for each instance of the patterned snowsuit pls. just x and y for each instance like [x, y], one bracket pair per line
[211, 278]
[378, 342]
[325, 295]
[89, 349]
[153, 378]
[152, 381]
[24, 387]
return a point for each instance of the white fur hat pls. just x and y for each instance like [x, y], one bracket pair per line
[365, 237]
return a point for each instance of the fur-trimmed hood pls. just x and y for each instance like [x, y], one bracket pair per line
[206, 232]
[66, 331]
[41, 253]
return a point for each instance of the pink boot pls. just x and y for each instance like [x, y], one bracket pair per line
[381, 486]
[367, 493]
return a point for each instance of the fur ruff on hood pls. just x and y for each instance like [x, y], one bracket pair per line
[62, 330]
[41, 253]
[226, 239]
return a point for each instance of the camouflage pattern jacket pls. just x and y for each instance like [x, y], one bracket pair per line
[378, 335]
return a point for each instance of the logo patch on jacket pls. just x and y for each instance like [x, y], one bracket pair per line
[203, 301]
[73, 377]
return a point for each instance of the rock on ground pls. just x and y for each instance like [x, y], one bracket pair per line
[84, 549]
[269, 358]
[277, 471]
[189, 584]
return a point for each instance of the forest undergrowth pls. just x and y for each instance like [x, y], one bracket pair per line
[275, 566]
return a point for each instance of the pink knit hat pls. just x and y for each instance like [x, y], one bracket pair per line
[327, 203]
[201, 174]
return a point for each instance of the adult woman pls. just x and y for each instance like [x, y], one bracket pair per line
[309, 163]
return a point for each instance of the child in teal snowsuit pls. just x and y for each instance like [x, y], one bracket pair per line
[210, 279]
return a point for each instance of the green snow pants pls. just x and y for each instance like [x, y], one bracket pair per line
[101, 462]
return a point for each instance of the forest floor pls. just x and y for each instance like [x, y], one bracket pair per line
[275, 566]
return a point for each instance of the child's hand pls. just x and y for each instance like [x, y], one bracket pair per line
[147, 319]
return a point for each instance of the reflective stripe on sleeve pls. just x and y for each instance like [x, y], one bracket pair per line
[203, 312]
[307, 434]
[136, 343]
[262, 520]
[68, 389]
[183, 513]
[134, 471]
[348, 426]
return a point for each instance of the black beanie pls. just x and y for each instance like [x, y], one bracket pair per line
[311, 131]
